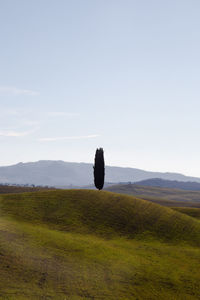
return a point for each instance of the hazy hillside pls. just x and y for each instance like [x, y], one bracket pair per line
[64, 174]
[7, 189]
[83, 244]
[174, 184]
[163, 196]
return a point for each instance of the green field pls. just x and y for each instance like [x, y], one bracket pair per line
[84, 244]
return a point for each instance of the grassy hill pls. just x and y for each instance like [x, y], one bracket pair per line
[84, 244]
[163, 196]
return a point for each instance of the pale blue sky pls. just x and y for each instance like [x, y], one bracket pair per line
[119, 74]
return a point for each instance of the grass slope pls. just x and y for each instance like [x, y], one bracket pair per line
[83, 244]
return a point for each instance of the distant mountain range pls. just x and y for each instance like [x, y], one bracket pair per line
[69, 174]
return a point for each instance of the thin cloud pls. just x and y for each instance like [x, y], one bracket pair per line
[62, 114]
[8, 112]
[30, 122]
[68, 138]
[10, 133]
[13, 91]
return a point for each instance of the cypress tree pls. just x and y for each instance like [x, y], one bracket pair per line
[99, 169]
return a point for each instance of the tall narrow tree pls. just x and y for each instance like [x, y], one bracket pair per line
[99, 169]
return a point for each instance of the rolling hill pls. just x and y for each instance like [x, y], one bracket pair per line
[85, 244]
[66, 174]
[163, 196]
[172, 184]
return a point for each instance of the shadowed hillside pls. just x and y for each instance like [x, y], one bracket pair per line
[85, 244]
[190, 211]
